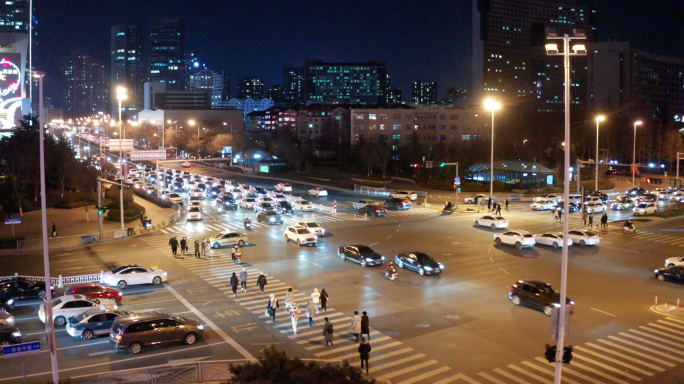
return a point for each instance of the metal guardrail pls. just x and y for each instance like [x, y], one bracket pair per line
[60, 281]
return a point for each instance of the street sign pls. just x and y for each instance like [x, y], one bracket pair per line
[457, 183]
[458, 179]
[13, 220]
[19, 350]
[227, 149]
[126, 145]
[149, 155]
[555, 320]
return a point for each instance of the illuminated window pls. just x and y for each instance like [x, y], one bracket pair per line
[372, 116]
[465, 137]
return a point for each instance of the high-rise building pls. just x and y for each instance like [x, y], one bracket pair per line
[294, 84]
[206, 79]
[128, 68]
[346, 83]
[424, 92]
[453, 94]
[251, 87]
[166, 61]
[509, 58]
[393, 95]
[227, 94]
[84, 90]
[274, 92]
[14, 16]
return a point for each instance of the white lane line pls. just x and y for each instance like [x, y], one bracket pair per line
[644, 355]
[375, 350]
[101, 353]
[621, 355]
[572, 372]
[651, 350]
[206, 320]
[374, 244]
[540, 369]
[426, 375]
[614, 361]
[607, 367]
[410, 369]
[530, 374]
[490, 378]
[508, 375]
[605, 313]
[504, 271]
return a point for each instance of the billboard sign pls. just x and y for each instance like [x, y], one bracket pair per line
[148, 155]
[126, 145]
[10, 76]
[227, 149]
[263, 168]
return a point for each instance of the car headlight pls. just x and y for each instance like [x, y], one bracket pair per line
[10, 319]
[200, 327]
[52, 287]
[165, 273]
[10, 301]
[427, 268]
[383, 258]
[315, 237]
[656, 271]
[572, 302]
[441, 266]
[272, 219]
[369, 260]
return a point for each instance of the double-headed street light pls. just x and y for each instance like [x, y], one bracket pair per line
[634, 162]
[598, 120]
[492, 105]
[577, 50]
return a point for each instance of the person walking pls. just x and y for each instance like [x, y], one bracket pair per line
[355, 328]
[560, 214]
[272, 306]
[183, 244]
[261, 282]
[478, 205]
[591, 220]
[294, 316]
[364, 351]
[54, 231]
[174, 245]
[584, 218]
[204, 247]
[243, 279]
[234, 283]
[604, 221]
[324, 300]
[328, 332]
[506, 204]
[310, 309]
[315, 299]
[489, 205]
[498, 209]
[197, 250]
[365, 325]
[289, 297]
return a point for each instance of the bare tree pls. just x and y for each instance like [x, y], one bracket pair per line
[64, 162]
[383, 155]
[85, 178]
[671, 144]
[367, 150]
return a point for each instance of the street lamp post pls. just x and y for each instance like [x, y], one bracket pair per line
[492, 105]
[121, 95]
[192, 122]
[634, 162]
[49, 326]
[598, 120]
[552, 50]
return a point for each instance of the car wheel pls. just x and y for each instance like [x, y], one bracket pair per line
[287, 239]
[41, 294]
[87, 334]
[114, 300]
[493, 226]
[670, 265]
[421, 272]
[241, 243]
[515, 300]
[477, 223]
[548, 310]
[518, 245]
[582, 243]
[624, 230]
[661, 278]
[299, 242]
[121, 284]
[216, 245]
[59, 321]
[555, 244]
[400, 264]
[497, 241]
[135, 348]
[363, 263]
[157, 280]
[342, 256]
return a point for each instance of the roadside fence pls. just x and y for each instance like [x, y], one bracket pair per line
[60, 281]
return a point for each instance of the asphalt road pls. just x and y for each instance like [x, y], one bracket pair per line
[458, 325]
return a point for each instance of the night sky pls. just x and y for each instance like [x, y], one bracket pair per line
[419, 40]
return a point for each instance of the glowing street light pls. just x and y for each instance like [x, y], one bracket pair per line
[598, 120]
[492, 105]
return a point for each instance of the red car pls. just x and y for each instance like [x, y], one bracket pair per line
[186, 164]
[95, 291]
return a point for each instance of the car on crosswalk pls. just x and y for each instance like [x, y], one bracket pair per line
[376, 210]
[70, 305]
[583, 237]
[553, 239]
[197, 192]
[227, 237]
[134, 274]
[247, 203]
[595, 207]
[92, 322]
[538, 295]
[475, 198]
[313, 227]
[363, 203]
[675, 274]
[302, 205]
[194, 213]
[519, 239]
[644, 209]
[300, 235]
[543, 205]
[279, 198]
[622, 202]
[318, 192]
[547, 197]
[493, 222]
[269, 217]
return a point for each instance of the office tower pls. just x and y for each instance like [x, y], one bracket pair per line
[14, 16]
[393, 95]
[453, 94]
[251, 87]
[294, 84]
[424, 92]
[206, 79]
[346, 83]
[509, 58]
[127, 68]
[166, 58]
[274, 92]
[84, 91]
[227, 94]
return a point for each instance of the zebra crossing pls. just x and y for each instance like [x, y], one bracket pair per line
[660, 238]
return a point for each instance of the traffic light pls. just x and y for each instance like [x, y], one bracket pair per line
[567, 354]
[101, 210]
[459, 189]
[648, 180]
[442, 164]
[550, 353]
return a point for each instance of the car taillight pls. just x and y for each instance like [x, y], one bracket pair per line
[338, 249]
[377, 210]
[512, 288]
[118, 337]
[73, 326]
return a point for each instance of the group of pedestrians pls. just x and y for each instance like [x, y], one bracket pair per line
[588, 220]
[243, 281]
[492, 205]
[201, 247]
[317, 303]
[361, 326]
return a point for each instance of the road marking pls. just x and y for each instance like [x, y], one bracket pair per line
[490, 258]
[323, 258]
[621, 355]
[188, 360]
[605, 375]
[540, 369]
[605, 313]
[71, 268]
[101, 353]
[392, 354]
[456, 377]
[506, 374]
[581, 376]
[490, 378]
[651, 350]
[426, 375]
[206, 320]
[374, 244]
[504, 271]
[390, 236]
[655, 338]
[614, 361]
[645, 356]
[530, 374]
[397, 362]
[410, 369]
[607, 367]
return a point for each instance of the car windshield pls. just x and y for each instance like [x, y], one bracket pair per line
[642, 206]
[181, 319]
[56, 301]
[303, 231]
[119, 269]
[590, 233]
[81, 316]
[500, 218]
[364, 250]
[304, 202]
[547, 290]
[174, 195]
[194, 209]
[271, 213]
[423, 258]
[311, 224]
[527, 235]
[249, 200]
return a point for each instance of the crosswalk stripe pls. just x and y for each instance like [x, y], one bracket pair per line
[606, 367]
[392, 354]
[490, 378]
[375, 350]
[410, 369]
[304, 320]
[317, 331]
[671, 324]
[346, 348]
[645, 356]
[655, 337]
[605, 375]
[275, 292]
[680, 242]
[623, 356]
[673, 240]
[653, 351]
[652, 343]
[530, 374]
[508, 375]
[397, 362]
[614, 361]
[426, 375]
[666, 328]
[459, 376]
[675, 320]
[165, 231]
[572, 372]
[540, 369]
[322, 345]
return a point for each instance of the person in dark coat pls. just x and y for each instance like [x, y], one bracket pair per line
[324, 300]
[591, 220]
[174, 245]
[234, 283]
[364, 351]
[506, 204]
[54, 231]
[328, 332]
[197, 250]
[489, 204]
[272, 306]
[184, 245]
[261, 282]
[365, 327]
[498, 209]
[604, 221]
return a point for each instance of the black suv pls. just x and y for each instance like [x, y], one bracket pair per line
[537, 295]
[286, 207]
[136, 330]
[9, 335]
[397, 204]
[20, 288]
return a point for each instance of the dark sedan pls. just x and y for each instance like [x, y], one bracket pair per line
[637, 191]
[286, 208]
[227, 203]
[571, 206]
[419, 262]
[9, 335]
[360, 254]
[269, 217]
[6, 301]
[397, 204]
[20, 288]
[537, 295]
[675, 274]
[376, 210]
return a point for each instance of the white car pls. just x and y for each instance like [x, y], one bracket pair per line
[6, 318]
[543, 205]
[282, 187]
[318, 192]
[574, 198]
[595, 207]
[674, 262]
[197, 192]
[520, 239]
[644, 208]
[480, 198]
[265, 199]
[363, 203]
[491, 221]
[279, 198]
[126, 275]
[195, 204]
[313, 227]
[194, 213]
[302, 205]
[71, 305]
[247, 203]
[542, 198]
[300, 235]
[664, 195]
[404, 195]
[554, 239]
[593, 199]
[139, 184]
[584, 237]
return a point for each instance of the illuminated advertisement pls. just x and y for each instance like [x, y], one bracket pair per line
[10, 87]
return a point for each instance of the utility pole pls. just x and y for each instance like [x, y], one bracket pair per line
[457, 181]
